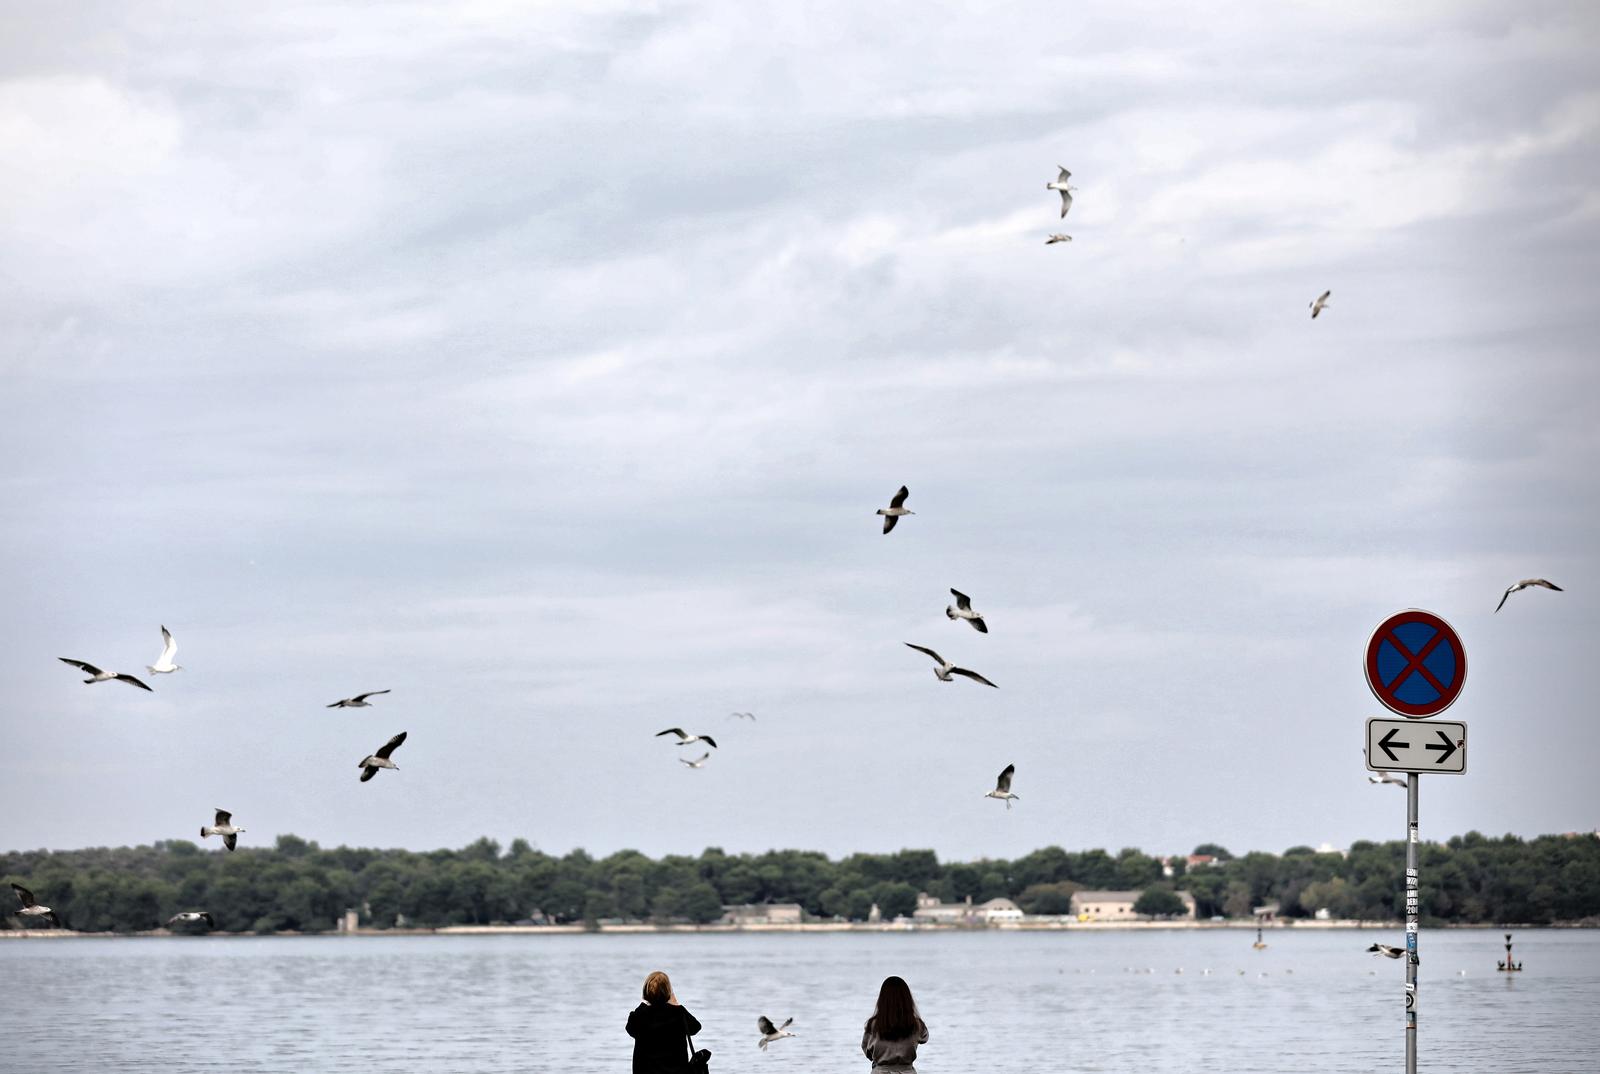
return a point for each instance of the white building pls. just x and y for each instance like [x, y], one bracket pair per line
[766, 913]
[1117, 905]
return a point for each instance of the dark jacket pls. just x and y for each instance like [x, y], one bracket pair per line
[659, 1032]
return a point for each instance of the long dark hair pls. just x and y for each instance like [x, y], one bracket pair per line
[895, 1017]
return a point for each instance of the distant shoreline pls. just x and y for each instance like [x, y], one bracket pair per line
[1297, 925]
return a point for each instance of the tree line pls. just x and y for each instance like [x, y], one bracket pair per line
[298, 885]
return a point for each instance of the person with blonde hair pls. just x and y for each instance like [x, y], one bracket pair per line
[894, 1030]
[661, 1029]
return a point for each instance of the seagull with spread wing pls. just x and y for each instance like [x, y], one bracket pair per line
[770, 1032]
[96, 675]
[192, 917]
[164, 663]
[358, 702]
[1387, 777]
[370, 764]
[1061, 185]
[742, 716]
[1525, 584]
[1320, 303]
[698, 762]
[30, 908]
[1386, 950]
[963, 610]
[685, 739]
[947, 669]
[1002, 787]
[896, 508]
[1053, 239]
[223, 827]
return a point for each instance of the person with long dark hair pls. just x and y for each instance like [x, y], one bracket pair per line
[895, 1029]
[661, 1028]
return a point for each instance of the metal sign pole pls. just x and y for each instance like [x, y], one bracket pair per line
[1412, 778]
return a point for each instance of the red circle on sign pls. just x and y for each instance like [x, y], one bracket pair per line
[1416, 664]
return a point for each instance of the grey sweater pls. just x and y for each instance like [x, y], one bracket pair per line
[892, 1054]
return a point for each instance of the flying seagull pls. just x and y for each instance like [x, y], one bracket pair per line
[358, 702]
[947, 669]
[698, 762]
[1524, 584]
[742, 716]
[770, 1032]
[1320, 304]
[1061, 185]
[1053, 239]
[169, 649]
[1002, 787]
[191, 917]
[96, 675]
[1387, 777]
[33, 909]
[1386, 951]
[963, 610]
[896, 508]
[684, 740]
[223, 827]
[369, 765]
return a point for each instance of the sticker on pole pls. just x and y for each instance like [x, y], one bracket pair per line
[1416, 664]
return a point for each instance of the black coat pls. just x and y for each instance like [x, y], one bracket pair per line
[659, 1032]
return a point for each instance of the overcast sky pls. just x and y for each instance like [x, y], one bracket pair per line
[546, 368]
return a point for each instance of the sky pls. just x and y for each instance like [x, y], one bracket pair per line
[545, 366]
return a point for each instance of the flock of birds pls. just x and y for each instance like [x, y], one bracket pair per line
[944, 670]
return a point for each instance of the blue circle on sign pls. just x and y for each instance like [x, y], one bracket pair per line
[1415, 689]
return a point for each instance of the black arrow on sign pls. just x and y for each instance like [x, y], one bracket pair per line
[1387, 741]
[1448, 749]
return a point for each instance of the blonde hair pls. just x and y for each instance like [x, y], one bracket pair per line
[657, 988]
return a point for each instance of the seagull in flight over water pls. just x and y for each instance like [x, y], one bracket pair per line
[770, 1032]
[896, 508]
[685, 739]
[1387, 777]
[191, 917]
[1002, 787]
[1320, 303]
[947, 669]
[358, 702]
[30, 908]
[223, 827]
[169, 649]
[369, 765]
[1386, 951]
[1524, 584]
[96, 675]
[963, 610]
[1061, 185]
[698, 762]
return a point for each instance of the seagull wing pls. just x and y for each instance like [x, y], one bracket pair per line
[765, 1025]
[390, 746]
[972, 675]
[1004, 782]
[210, 921]
[979, 625]
[338, 704]
[1324, 297]
[230, 841]
[90, 668]
[672, 731]
[963, 601]
[169, 648]
[709, 741]
[787, 1022]
[1064, 176]
[889, 521]
[223, 818]
[24, 894]
[921, 649]
[370, 693]
[367, 773]
[1546, 584]
[900, 497]
[133, 682]
[1509, 590]
[1066, 202]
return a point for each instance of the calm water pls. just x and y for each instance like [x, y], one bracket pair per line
[993, 1001]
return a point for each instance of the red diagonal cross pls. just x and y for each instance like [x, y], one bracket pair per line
[1414, 663]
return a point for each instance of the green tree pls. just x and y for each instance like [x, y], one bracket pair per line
[1159, 902]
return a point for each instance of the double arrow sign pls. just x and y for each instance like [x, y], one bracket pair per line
[1413, 746]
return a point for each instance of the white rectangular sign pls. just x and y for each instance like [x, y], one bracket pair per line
[1416, 745]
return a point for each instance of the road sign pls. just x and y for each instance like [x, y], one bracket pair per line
[1416, 664]
[1402, 746]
